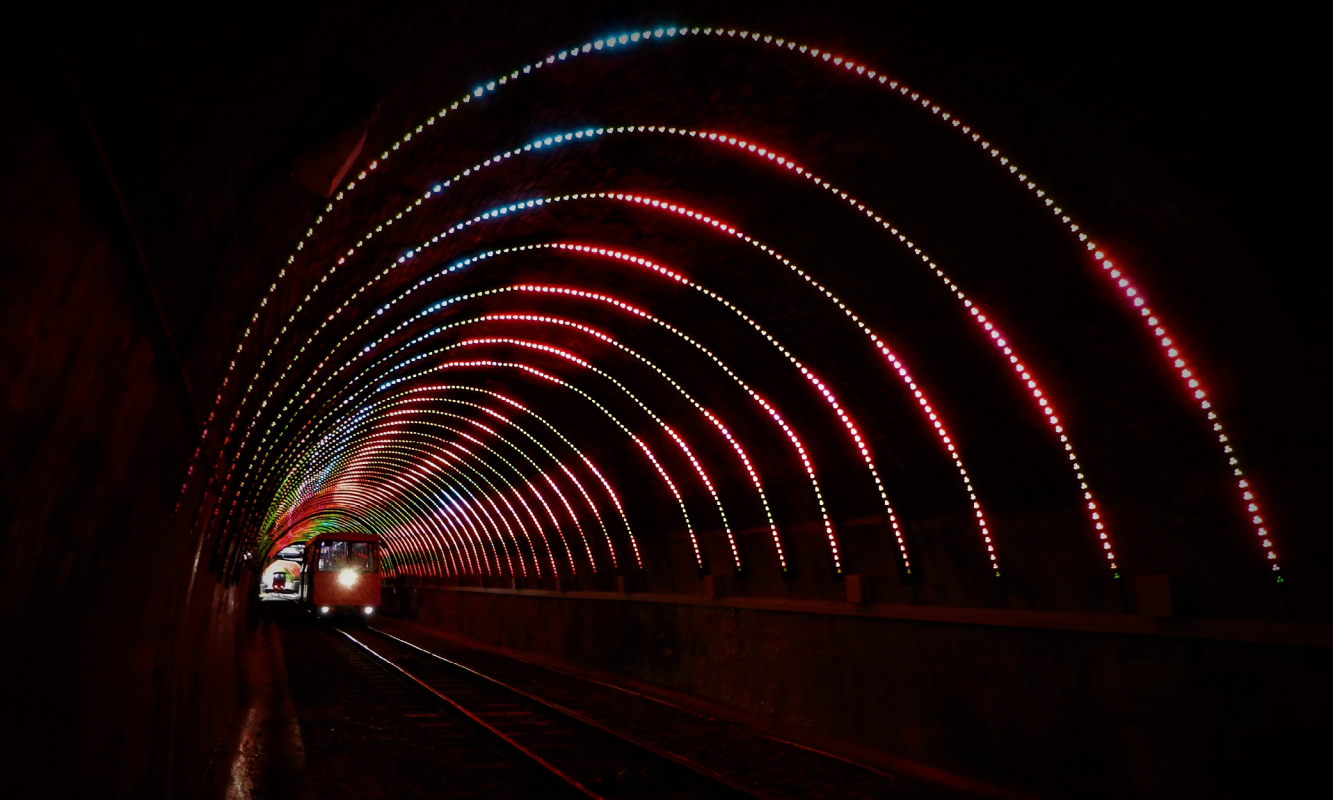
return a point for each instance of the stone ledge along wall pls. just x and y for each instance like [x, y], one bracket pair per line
[1083, 713]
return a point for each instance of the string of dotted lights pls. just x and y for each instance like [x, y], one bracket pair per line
[439, 306]
[557, 139]
[535, 490]
[793, 438]
[677, 438]
[721, 428]
[592, 507]
[1044, 404]
[443, 455]
[671, 485]
[899, 369]
[1123, 283]
[394, 402]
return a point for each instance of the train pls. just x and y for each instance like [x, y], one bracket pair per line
[340, 574]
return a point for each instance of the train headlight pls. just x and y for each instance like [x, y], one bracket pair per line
[347, 578]
[323, 609]
[370, 610]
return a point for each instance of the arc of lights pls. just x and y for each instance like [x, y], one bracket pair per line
[414, 396]
[820, 387]
[391, 518]
[606, 485]
[452, 443]
[679, 440]
[435, 449]
[896, 365]
[440, 503]
[712, 418]
[423, 526]
[1044, 405]
[611, 494]
[620, 306]
[535, 490]
[416, 456]
[443, 447]
[1123, 282]
[591, 506]
[671, 485]
[482, 529]
[647, 451]
[448, 443]
[573, 516]
[379, 492]
[726, 433]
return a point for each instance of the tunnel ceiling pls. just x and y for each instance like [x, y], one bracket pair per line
[678, 302]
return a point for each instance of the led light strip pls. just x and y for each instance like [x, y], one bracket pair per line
[569, 509]
[823, 389]
[451, 443]
[611, 493]
[438, 452]
[793, 438]
[764, 153]
[729, 229]
[647, 451]
[574, 479]
[592, 507]
[1158, 330]
[398, 401]
[722, 429]
[745, 147]
[357, 494]
[475, 501]
[455, 507]
[582, 362]
[671, 485]
[409, 519]
[679, 440]
[483, 446]
[424, 512]
[895, 363]
[704, 219]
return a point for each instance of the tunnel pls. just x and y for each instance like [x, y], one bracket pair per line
[916, 401]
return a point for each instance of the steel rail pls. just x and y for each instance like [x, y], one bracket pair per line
[584, 721]
[724, 786]
[475, 720]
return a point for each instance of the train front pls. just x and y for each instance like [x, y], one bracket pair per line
[342, 574]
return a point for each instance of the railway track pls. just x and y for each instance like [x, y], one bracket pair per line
[566, 753]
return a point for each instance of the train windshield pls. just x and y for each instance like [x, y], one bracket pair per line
[337, 556]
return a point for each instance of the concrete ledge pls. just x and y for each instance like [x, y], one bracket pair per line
[1293, 634]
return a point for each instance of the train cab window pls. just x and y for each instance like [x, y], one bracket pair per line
[338, 556]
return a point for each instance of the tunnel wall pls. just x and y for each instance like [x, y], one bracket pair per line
[1071, 704]
[120, 665]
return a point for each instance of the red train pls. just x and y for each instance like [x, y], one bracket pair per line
[340, 572]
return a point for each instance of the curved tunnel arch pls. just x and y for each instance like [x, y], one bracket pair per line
[414, 249]
[1021, 312]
